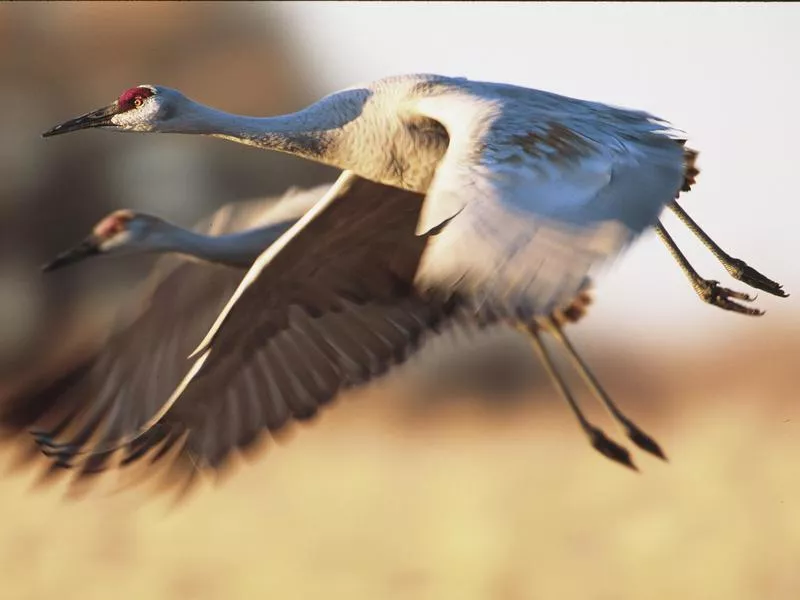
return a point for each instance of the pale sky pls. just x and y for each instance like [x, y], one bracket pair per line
[726, 74]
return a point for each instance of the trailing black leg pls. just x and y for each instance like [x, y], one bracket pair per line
[634, 433]
[600, 442]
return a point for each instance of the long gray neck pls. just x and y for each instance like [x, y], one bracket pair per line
[349, 130]
[234, 250]
[311, 133]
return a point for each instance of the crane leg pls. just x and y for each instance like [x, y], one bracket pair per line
[708, 290]
[599, 441]
[738, 269]
[634, 433]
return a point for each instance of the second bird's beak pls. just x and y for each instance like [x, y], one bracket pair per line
[97, 118]
[88, 247]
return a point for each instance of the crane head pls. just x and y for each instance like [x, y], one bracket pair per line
[141, 108]
[121, 231]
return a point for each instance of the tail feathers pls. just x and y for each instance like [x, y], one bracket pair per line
[575, 310]
[690, 170]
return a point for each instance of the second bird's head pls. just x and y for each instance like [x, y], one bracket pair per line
[121, 232]
[142, 108]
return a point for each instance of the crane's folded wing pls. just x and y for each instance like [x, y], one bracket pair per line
[533, 206]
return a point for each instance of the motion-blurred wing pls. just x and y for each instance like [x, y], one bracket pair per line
[103, 384]
[329, 305]
[262, 212]
[112, 385]
[532, 204]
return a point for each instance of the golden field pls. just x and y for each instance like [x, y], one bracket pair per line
[382, 499]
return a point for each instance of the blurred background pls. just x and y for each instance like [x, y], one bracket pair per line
[460, 475]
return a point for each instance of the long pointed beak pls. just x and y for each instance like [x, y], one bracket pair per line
[97, 118]
[88, 247]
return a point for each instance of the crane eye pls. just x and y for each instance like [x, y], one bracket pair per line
[138, 101]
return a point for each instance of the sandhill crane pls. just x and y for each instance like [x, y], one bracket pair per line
[396, 131]
[141, 361]
[144, 357]
[525, 192]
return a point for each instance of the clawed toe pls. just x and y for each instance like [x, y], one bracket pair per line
[712, 293]
[745, 273]
[729, 293]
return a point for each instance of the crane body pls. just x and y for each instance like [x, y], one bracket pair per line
[493, 198]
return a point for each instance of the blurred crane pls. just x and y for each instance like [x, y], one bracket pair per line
[96, 393]
[492, 198]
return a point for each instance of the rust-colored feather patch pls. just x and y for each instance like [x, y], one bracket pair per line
[576, 309]
[572, 313]
[690, 170]
[114, 223]
[558, 143]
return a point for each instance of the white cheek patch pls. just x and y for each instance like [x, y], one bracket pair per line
[116, 242]
[138, 119]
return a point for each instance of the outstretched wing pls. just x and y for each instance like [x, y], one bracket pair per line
[98, 387]
[331, 304]
[535, 199]
[100, 384]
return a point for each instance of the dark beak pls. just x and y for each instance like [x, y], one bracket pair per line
[97, 118]
[88, 247]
